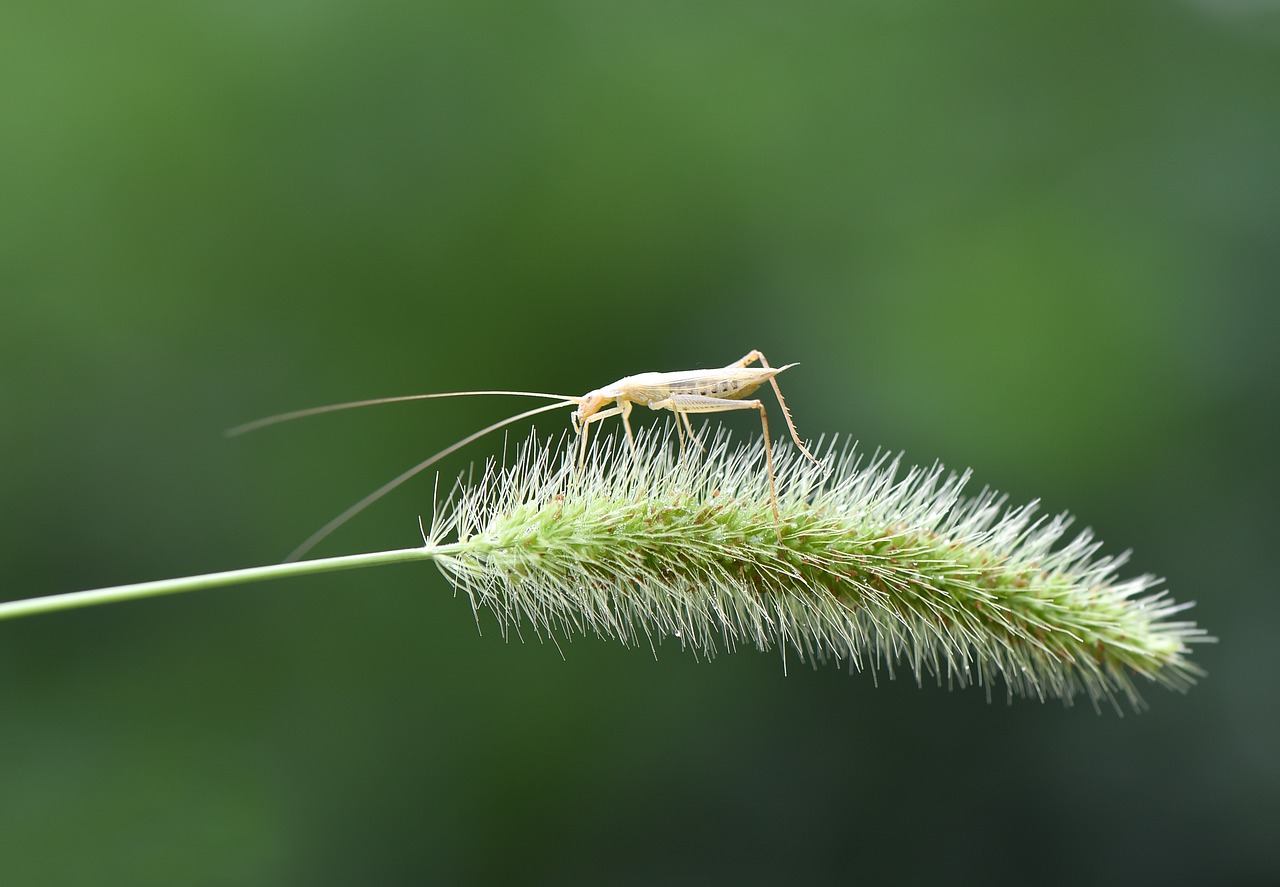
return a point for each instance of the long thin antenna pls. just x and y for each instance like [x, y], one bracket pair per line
[390, 485]
[334, 407]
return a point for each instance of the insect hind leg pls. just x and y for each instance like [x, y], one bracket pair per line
[751, 357]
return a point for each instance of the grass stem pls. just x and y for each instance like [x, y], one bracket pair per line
[138, 590]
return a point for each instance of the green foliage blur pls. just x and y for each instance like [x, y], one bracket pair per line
[1040, 240]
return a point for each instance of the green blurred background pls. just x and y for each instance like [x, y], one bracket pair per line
[1040, 240]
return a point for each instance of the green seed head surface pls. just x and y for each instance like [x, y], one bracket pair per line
[873, 565]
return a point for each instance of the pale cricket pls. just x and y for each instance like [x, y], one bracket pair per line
[685, 392]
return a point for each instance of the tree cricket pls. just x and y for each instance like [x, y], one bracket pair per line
[683, 393]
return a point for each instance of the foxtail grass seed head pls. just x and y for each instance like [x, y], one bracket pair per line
[876, 566]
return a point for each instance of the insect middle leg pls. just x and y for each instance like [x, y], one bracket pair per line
[689, 427]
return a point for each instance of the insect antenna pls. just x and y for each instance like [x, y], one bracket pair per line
[334, 407]
[390, 485]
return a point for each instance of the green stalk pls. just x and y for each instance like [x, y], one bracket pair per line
[138, 590]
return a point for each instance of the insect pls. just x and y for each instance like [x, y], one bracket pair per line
[683, 393]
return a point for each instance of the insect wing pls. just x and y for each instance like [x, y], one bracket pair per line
[726, 383]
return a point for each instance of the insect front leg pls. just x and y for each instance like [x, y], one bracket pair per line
[623, 409]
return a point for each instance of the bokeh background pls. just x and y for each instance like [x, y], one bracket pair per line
[1038, 240]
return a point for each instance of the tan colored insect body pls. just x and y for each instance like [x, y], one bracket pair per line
[690, 391]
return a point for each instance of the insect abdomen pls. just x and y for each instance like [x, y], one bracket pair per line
[724, 389]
